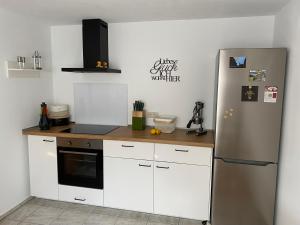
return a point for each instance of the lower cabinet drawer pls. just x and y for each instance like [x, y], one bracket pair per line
[81, 195]
[128, 149]
[183, 154]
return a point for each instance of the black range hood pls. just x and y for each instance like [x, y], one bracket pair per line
[95, 48]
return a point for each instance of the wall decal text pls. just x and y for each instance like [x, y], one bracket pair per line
[163, 69]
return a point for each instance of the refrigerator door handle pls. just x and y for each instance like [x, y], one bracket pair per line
[246, 162]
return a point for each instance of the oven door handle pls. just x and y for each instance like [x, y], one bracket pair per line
[77, 153]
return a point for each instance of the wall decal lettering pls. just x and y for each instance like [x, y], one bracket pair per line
[163, 69]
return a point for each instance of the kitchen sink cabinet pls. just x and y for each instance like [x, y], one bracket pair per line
[43, 167]
[128, 184]
[182, 190]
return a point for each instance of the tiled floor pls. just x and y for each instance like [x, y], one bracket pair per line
[47, 212]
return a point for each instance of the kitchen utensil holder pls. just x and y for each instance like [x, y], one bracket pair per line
[138, 120]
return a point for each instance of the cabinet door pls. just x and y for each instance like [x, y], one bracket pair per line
[43, 167]
[182, 190]
[128, 184]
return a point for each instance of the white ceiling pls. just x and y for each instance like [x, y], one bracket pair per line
[73, 11]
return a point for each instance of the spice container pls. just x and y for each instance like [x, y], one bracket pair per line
[21, 62]
[166, 124]
[36, 58]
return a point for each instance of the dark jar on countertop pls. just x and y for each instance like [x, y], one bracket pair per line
[44, 121]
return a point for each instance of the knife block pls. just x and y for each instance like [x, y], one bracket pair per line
[138, 120]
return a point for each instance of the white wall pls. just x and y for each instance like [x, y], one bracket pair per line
[134, 47]
[19, 100]
[287, 34]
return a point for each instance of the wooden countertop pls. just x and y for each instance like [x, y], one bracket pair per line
[178, 137]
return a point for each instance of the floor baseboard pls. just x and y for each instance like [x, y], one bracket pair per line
[16, 207]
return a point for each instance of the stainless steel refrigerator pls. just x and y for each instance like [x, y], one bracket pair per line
[248, 125]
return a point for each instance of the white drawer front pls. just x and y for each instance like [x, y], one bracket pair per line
[80, 195]
[183, 154]
[128, 149]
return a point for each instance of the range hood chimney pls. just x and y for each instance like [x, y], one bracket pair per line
[95, 48]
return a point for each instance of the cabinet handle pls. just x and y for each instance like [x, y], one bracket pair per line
[128, 146]
[142, 165]
[45, 140]
[181, 150]
[163, 167]
[77, 153]
[79, 199]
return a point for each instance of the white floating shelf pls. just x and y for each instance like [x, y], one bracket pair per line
[13, 70]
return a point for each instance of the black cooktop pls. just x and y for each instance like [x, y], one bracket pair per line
[90, 129]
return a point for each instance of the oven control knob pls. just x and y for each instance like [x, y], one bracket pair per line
[89, 144]
[69, 142]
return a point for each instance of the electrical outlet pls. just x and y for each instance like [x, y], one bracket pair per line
[152, 114]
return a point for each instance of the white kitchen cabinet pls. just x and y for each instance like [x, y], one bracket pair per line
[43, 167]
[182, 190]
[177, 183]
[128, 184]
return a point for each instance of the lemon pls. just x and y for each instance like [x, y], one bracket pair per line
[157, 132]
[153, 131]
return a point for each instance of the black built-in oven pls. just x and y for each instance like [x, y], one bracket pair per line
[80, 162]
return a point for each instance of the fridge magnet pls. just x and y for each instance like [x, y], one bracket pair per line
[249, 93]
[271, 94]
[164, 69]
[258, 75]
[237, 62]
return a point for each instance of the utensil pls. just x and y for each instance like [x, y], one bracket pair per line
[197, 119]
[138, 106]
